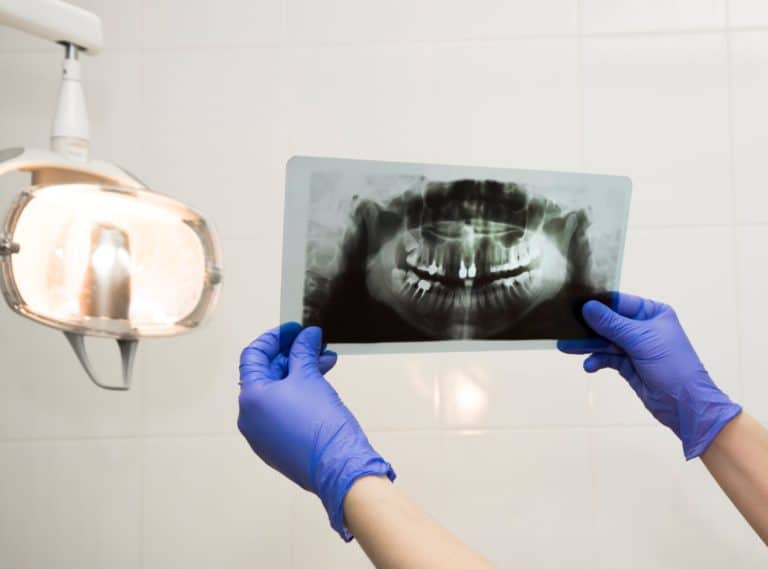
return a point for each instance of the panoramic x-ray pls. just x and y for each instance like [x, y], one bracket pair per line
[412, 253]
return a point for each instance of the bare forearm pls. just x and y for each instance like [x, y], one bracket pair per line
[738, 460]
[396, 534]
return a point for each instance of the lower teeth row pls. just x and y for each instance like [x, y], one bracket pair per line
[410, 285]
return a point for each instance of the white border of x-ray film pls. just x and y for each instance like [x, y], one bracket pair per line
[299, 170]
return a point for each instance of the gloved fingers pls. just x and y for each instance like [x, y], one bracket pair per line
[327, 360]
[288, 333]
[588, 346]
[620, 363]
[609, 324]
[256, 359]
[634, 307]
[596, 362]
[306, 349]
[279, 366]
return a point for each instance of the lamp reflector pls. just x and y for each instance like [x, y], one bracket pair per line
[110, 261]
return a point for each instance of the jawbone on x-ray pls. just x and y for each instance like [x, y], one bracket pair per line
[410, 253]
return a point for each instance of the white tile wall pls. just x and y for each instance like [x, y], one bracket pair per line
[70, 504]
[753, 280]
[613, 16]
[208, 502]
[177, 24]
[407, 400]
[422, 102]
[217, 109]
[749, 57]
[522, 523]
[651, 515]
[513, 389]
[747, 13]
[656, 109]
[113, 91]
[526, 457]
[27, 109]
[366, 21]
[3, 411]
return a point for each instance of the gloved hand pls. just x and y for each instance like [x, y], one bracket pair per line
[294, 420]
[645, 342]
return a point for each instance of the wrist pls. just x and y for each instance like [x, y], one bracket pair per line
[362, 489]
[334, 500]
[700, 410]
[363, 484]
[709, 427]
[724, 437]
[335, 477]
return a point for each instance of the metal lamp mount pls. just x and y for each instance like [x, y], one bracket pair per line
[79, 31]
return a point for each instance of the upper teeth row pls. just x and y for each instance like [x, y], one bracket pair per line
[433, 268]
[519, 256]
[467, 272]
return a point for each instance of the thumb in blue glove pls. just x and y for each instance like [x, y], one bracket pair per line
[296, 422]
[645, 342]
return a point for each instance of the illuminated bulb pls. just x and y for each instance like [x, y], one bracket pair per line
[106, 291]
[111, 261]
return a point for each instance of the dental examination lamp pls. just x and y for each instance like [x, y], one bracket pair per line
[88, 249]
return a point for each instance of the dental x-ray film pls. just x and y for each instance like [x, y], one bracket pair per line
[391, 256]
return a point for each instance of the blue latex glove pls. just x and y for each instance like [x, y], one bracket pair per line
[645, 342]
[294, 420]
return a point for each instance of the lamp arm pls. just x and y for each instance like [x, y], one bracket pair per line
[70, 130]
[78, 30]
[55, 21]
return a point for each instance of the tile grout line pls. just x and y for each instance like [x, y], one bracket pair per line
[292, 498]
[593, 490]
[143, 394]
[581, 87]
[284, 43]
[292, 505]
[437, 408]
[582, 118]
[282, 87]
[447, 428]
[582, 142]
[142, 467]
[736, 237]
[283, 22]
[590, 385]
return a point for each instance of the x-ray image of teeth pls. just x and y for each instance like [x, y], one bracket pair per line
[406, 257]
